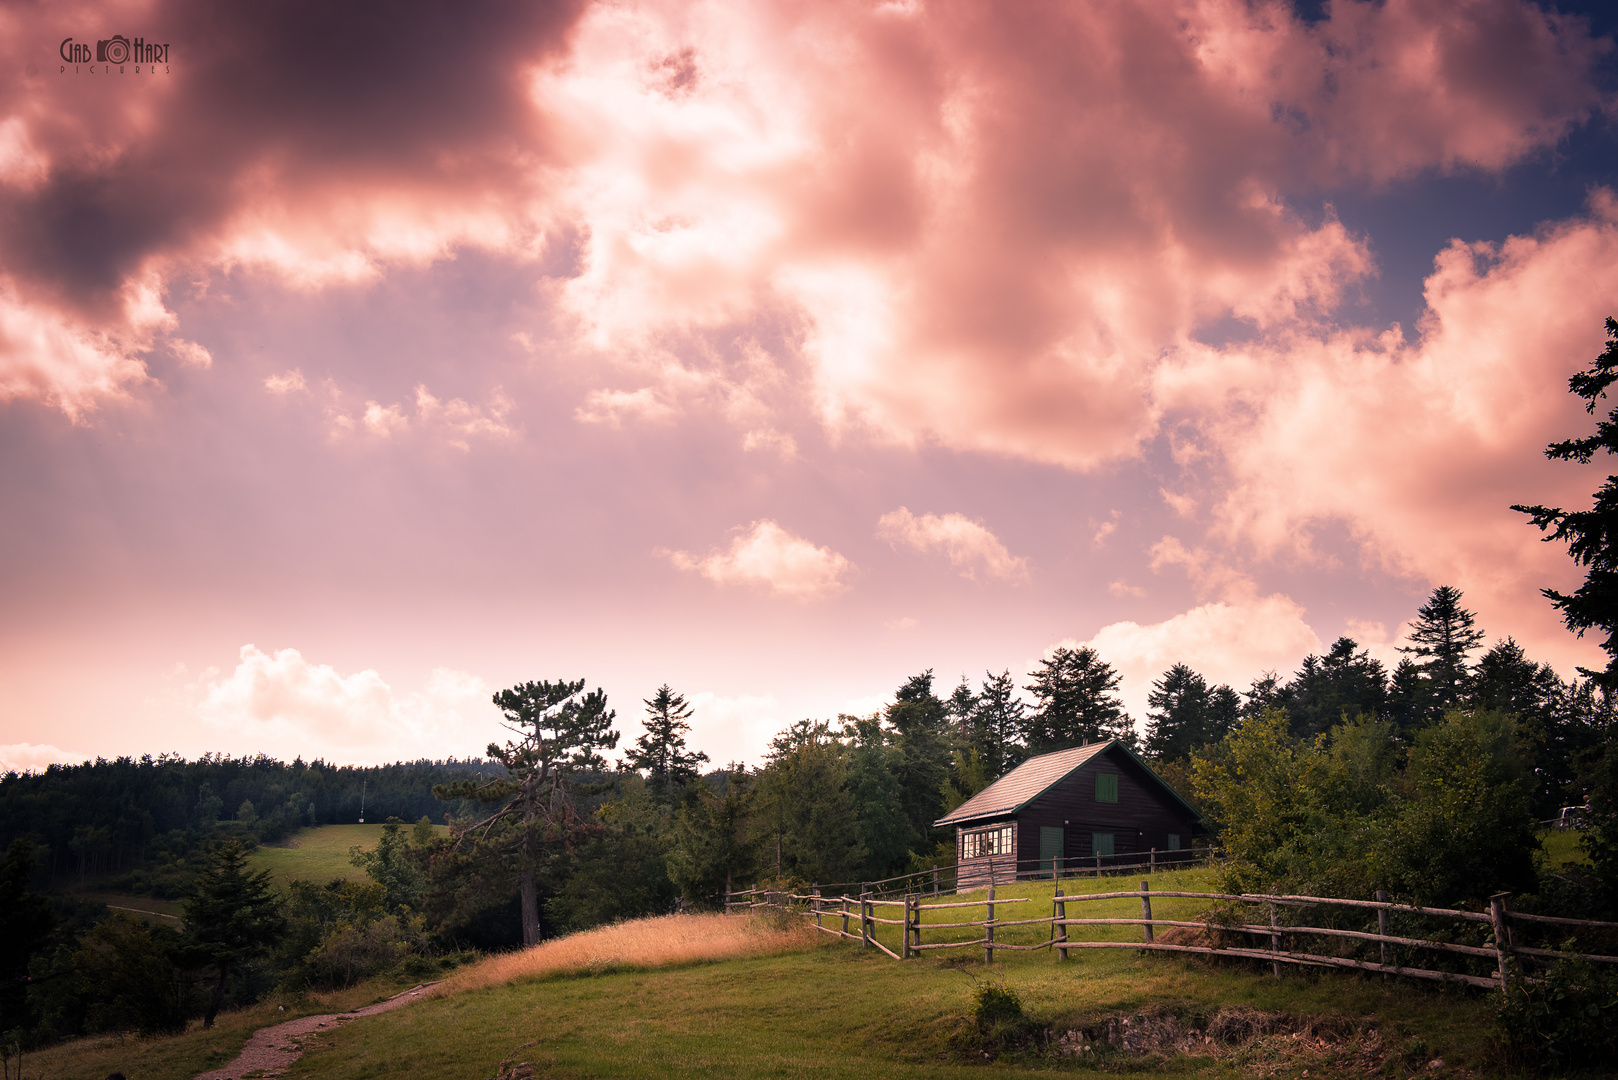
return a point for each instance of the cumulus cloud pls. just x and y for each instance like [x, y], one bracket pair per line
[968, 543]
[766, 555]
[453, 423]
[288, 382]
[733, 728]
[1226, 642]
[992, 259]
[35, 757]
[283, 701]
[1420, 447]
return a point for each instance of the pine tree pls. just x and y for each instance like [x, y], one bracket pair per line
[999, 720]
[231, 917]
[1329, 689]
[561, 732]
[1077, 692]
[1186, 713]
[1442, 635]
[661, 751]
[1591, 535]
[922, 762]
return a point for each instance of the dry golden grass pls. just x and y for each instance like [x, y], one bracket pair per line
[640, 943]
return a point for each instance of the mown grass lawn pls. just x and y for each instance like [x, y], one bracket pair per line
[835, 1010]
[319, 854]
[832, 1009]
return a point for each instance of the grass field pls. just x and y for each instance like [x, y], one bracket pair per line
[691, 996]
[319, 854]
[1562, 846]
[835, 1011]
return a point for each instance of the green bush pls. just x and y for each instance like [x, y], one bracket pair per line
[996, 1006]
[1567, 1020]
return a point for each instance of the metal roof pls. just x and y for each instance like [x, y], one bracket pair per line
[1022, 785]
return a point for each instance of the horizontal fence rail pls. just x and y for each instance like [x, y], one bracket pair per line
[834, 911]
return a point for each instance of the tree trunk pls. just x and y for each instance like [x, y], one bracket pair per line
[530, 907]
[217, 999]
[526, 888]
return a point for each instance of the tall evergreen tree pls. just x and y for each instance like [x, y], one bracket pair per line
[922, 761]
[1591, 535]
[561, 732]
[1507, 681]
[231, 917]
[1261, 695]
[1077, 695]
[1186, 713]
[998, 722]
[961, 710]
[1343, 684]
[661, 751]
[1441, 637]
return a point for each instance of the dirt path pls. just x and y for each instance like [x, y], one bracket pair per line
[272, 1050]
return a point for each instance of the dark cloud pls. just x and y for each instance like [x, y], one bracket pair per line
[281, 95]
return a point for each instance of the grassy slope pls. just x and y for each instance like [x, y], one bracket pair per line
[319, 854]
[828, 1009]
[184, 1056]
[833, 1010]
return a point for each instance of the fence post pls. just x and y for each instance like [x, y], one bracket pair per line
[845, 914]
[1153, 870]
[865, 918]
[935, 883]
[1098, 866]
[1059, 931]
[1275, 944]
[1146, 908]
[727, 900]
[988, 929]
[814, 904]
[1382, 924]
[1502, 937]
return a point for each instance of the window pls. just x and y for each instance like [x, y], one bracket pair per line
[1106, 787]
[1174, 841]
[1101, 843]
[981, 843]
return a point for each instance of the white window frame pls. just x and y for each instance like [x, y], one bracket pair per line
[986, 843]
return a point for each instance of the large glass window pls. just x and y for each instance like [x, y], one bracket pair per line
[983, 842]
[1106, 787]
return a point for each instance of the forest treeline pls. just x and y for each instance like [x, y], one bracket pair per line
[132, 824]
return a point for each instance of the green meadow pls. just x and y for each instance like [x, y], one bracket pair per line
[319, 854]
[829, 1009]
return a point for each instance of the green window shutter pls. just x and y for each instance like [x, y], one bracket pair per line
[1174, 841]
[1101, 843]
[1106, 787]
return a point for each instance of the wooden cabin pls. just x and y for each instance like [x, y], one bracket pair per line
[1059, 811]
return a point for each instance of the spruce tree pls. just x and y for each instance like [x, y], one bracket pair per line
[1329, 689]
[1441, 637]
[1186, 713]
[231, 917]
[661, 751]
[999, 721]
[1591, 535]
[1077, 695]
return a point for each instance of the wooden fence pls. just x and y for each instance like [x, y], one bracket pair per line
[835, 914]
[1004, 870]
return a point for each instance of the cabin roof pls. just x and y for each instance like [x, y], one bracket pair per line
[1037, 775]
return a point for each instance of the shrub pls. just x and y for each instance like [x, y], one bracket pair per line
[995, 1006]
[1567, 1020]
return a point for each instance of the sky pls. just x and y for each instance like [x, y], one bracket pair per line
[358, 361]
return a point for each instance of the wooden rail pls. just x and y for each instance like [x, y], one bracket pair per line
[1502, 949]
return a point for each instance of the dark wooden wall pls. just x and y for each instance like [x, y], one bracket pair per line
[1141, 819]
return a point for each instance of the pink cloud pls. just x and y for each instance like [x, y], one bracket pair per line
[764, 554]
[1227, 642]
[1420, 446]
[966, 542]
